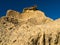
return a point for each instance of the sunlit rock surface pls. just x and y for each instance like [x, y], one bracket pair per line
[31, 27]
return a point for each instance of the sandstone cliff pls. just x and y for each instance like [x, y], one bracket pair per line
[31, 27]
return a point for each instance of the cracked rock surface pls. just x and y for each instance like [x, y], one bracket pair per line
[31, 27]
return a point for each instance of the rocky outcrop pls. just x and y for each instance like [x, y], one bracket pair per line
[31, 27]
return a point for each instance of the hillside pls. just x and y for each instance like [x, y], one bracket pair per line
[31, 27]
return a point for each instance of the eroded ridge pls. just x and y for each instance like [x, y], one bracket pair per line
[31, 27]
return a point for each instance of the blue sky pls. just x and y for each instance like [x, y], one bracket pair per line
[50, 7]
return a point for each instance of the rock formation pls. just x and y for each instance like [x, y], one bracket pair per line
[31, 27]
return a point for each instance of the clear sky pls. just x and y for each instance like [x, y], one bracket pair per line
[50, 7]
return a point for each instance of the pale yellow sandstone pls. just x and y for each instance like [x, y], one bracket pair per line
[31, 27]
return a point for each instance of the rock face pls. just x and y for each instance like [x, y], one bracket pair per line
[31, 27]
